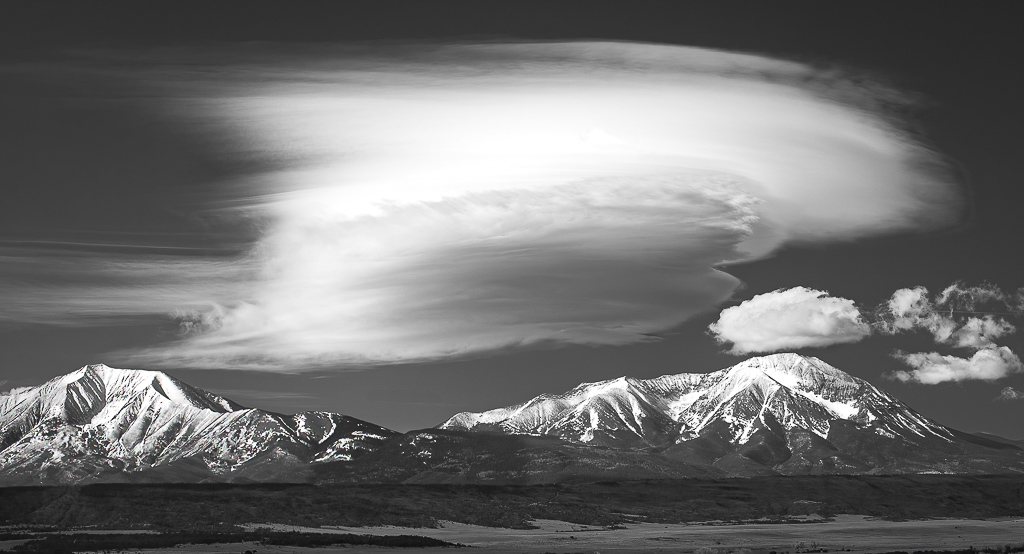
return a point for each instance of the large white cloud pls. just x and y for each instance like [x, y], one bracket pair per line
[987, 364]
[429, 201]
[789, 318]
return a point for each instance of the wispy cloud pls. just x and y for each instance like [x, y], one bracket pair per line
[58, 287]
[436, 200]
[1010, 393]
[15, 391]
[955, 317]
[911, 308]
[964, 298]
[798, 317]
[257, 396]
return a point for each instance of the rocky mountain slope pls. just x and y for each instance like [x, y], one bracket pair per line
[98, 421]
[779, 414]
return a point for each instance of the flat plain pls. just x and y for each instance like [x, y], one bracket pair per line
[787, 515]
[845, 533]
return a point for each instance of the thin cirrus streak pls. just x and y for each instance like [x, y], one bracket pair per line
[86, 287]
[433, 200]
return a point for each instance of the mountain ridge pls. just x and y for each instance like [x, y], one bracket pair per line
[781, 413]
[100, 419]
[694, 400]
[777, 414]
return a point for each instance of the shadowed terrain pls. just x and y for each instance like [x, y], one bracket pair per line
[777, 498]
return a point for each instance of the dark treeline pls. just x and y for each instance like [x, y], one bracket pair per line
[191, 507]
[1006, 549]
[57, 544]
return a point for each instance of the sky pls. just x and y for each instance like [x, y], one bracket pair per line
[404, 211]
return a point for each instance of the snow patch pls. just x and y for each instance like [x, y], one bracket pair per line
[739, 396]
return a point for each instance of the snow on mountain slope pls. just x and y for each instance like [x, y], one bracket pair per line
[781, 390]
[774, 414]
[99, 419]
[338, 437]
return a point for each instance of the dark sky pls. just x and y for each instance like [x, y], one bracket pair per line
[84, 172]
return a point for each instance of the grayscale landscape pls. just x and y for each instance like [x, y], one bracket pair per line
[513, 277]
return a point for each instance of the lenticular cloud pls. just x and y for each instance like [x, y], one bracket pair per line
[437, 200]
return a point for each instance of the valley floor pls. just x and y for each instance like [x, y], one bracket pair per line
[857, 534]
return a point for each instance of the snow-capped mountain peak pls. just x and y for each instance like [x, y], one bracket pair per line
[779, 391]
[782, 413]
[97, 393]
[100, 418]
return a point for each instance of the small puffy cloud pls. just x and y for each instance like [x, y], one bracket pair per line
[789, 318]
[946, 317]
[955, 317]
[911, 308]
[908, 307]
[929, 368]
[1010, 393]
[979, 332]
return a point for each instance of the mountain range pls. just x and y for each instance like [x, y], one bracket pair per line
[777, 414]
[100, 421]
